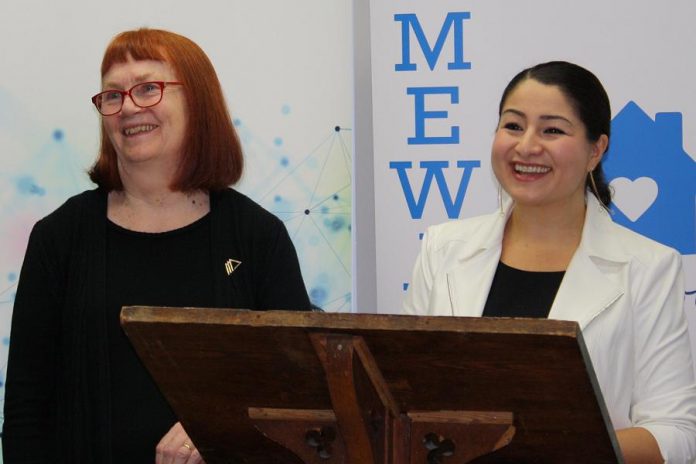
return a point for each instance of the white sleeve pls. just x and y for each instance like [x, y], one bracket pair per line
[664, 397]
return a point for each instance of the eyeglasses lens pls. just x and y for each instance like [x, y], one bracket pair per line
[109, 102]
[146, 94]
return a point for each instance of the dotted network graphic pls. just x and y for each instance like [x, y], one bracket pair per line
[312, 195]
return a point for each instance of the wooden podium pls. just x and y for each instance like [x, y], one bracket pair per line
[318, 388]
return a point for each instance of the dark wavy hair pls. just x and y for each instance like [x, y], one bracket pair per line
[212, 154]
[589, 100]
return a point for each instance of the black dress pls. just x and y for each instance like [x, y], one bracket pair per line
[517, 293]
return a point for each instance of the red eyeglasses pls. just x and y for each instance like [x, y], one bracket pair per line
[143, 95]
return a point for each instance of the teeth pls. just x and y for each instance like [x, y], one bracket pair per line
[138, 129]
[531, 169]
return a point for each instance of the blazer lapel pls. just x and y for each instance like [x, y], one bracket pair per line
[584, 293]
[587, 289]
[470, 283]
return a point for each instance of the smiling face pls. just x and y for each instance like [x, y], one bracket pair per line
[541, 155]
[154, 134]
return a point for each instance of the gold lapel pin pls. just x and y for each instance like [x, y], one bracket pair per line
[231, 265]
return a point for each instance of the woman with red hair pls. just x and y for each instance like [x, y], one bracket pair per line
[160, 230]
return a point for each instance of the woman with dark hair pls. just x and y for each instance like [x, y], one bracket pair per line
[552, 251]
[161, 229]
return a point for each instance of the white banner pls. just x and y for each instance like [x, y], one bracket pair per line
[438, 71]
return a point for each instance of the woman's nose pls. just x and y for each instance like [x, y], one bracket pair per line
[529, 144]
[128, 106]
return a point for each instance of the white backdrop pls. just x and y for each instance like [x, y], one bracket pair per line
[286, 69]
[641, 51]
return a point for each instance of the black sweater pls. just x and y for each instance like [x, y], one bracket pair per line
[57, 395]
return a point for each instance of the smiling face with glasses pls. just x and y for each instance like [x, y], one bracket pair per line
[144, 95]
[146, 122]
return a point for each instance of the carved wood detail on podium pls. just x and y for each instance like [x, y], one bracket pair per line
[366, 425]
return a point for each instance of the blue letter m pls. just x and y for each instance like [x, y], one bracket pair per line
[410, 21]
[434, 169]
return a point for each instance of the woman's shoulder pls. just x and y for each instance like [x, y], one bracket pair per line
[67, 215]
[623, 244]
[608, 240]
[63, 232]
[644, 249]
[234, 204]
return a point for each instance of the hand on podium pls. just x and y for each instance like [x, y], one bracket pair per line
[177, 448]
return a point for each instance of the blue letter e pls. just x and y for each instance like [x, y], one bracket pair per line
[421, 115]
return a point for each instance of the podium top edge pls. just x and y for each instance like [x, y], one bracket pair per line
[346, 321]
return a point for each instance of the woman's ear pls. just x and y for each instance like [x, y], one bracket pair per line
[598, 149]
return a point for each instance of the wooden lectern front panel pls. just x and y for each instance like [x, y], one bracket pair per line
[216, 365]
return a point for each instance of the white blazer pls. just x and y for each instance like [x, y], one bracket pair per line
[625, 291]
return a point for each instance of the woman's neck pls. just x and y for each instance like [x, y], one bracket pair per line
[152, 209]
[540, 238]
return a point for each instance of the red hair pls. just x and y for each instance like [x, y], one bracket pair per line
[212, 154]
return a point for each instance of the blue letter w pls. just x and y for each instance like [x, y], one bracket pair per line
[410, 21]
[434, 169]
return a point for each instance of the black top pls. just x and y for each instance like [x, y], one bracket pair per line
[150, 269]
[58, 389]
[517, 293]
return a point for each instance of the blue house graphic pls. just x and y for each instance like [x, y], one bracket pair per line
[643, 147]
